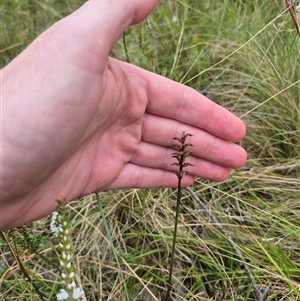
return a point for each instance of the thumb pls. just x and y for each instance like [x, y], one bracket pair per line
[103, 21]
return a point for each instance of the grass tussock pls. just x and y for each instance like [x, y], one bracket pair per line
[242, 54]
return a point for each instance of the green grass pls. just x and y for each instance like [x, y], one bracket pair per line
[245, 56]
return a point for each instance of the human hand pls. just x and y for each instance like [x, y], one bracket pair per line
[75, 121]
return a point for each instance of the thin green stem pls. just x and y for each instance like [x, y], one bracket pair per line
[169, 284]
[125, 47]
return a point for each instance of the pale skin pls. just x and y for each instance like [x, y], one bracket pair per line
[75, 121]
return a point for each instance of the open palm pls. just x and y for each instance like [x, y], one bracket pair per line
[76, 121]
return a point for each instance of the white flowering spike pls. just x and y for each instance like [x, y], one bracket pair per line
[69, 291]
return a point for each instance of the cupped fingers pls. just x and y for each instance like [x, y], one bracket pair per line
[160, 158]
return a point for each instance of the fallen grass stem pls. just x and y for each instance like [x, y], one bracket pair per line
[259, 294]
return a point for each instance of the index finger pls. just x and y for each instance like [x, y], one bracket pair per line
[176, 101]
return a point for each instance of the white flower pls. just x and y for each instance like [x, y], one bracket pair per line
[77, 293]
[174, 19]
[63, 295]
[73, 284]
